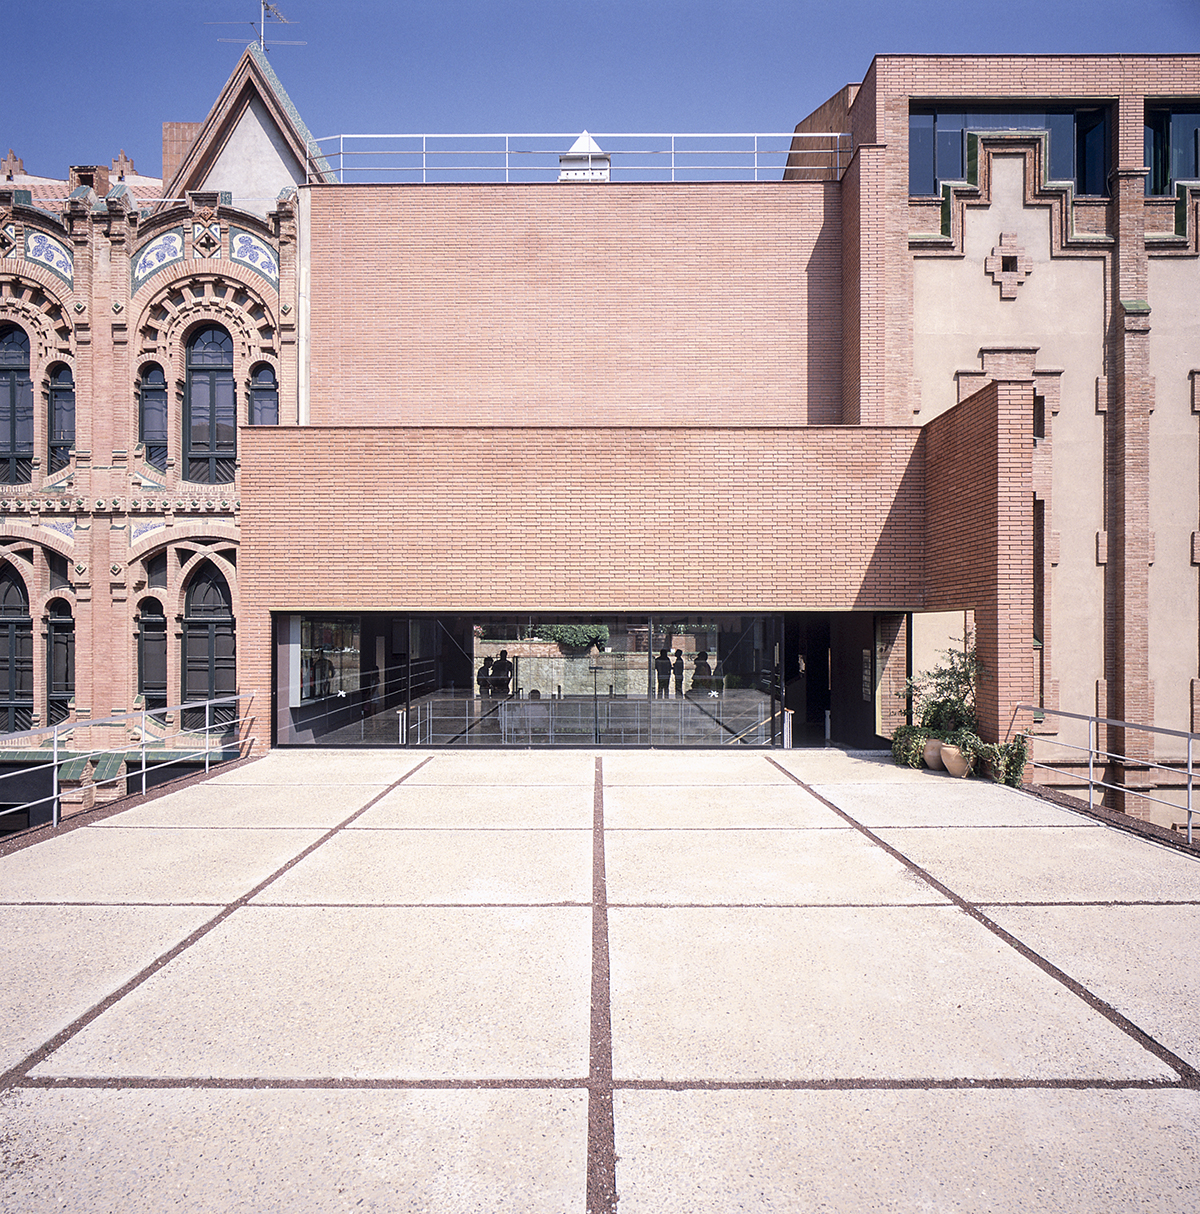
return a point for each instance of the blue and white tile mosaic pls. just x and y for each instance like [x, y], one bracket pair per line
[62, 526]
[248, 250]
[137, 530]
[157, 255]
[51, 253]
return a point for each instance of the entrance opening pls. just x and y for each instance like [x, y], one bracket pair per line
[377, 679]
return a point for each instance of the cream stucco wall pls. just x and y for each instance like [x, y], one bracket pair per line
[1059, 308]
[256, 163]
[1174, 291]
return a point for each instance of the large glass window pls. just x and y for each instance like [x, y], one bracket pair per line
[1079, 143]
[209, 651]
[61, 419]
[60, 660]
[264, 397]
[16, 408]
[152, 415]
[210, 413]
[16, 654]
[152, 654]
[1172, 147]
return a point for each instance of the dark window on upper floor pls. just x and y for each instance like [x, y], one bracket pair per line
[1079, 141]
[60, 660]
[264, 397]
[16, 408]
[210, 409]
[16, 654]
[156, 571]
[1172, 146]
[152, 415]
[61, 419]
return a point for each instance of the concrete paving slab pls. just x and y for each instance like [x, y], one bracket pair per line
[498, 768]
[442, 805]
[951, 803]
[384, 993]
[1049, 864]
[323, 805]
[56, 962]
[463, 867]
[695, 806]
[148, 864]
[983, 1152]
[692, 767]
[295, 766]
[522, 1152]
[1138, 959]
[758, 867]
[831, 765]
[834, 993]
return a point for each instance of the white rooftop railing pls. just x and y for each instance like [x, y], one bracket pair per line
[433, 159]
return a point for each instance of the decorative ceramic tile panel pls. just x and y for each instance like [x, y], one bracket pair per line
[206, 239]
[248, 250]
[157, 255]
[137, 530]
[62, 526]
[52, 254]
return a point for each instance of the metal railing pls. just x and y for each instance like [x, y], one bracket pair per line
[482, 158]
[220, 738]
[1097, 757]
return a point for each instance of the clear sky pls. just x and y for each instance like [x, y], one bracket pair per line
[83, 79]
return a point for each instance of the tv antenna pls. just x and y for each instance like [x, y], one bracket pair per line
[260, 30]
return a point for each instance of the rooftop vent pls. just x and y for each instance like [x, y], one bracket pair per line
[584, 162]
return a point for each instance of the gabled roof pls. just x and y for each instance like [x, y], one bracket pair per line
[253, 80]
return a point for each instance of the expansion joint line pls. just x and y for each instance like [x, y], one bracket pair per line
[601, 1149]
[1189, 1077]
[19, 1074]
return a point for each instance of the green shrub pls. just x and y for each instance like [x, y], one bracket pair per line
[943, 698]
[573, 636]
[908, 744]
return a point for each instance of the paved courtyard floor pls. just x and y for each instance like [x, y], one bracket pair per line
[647, 981]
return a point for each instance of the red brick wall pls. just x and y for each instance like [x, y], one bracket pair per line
[979, 541]
[552, 304]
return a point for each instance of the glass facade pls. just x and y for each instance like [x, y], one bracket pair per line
[504, 680]
[1172, 147]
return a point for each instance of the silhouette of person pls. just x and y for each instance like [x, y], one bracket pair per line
[662, 668]
[322, 675]
[677, 667]
[484, 678]
[702, 675]
[502, 673]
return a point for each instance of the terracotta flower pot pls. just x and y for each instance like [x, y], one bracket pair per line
[955, 762]
[932, 754]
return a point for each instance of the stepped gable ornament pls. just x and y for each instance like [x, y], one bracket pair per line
[1008, 264]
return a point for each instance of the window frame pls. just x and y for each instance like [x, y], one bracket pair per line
[156, 445]
[59, 395]
[215, 458]
[16, 398]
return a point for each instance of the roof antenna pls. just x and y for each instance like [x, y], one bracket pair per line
[267, 10]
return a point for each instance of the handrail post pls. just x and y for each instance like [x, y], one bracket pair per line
[1091, 759]
[143, 749]
[54, 786]
[207, 732]
[1189, 789]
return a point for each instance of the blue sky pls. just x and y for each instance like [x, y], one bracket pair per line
[86, 78]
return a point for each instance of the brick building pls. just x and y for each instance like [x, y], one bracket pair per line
[341, 444]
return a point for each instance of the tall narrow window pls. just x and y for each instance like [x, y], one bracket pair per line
[209, 651]
[264, 397]
[16, 408]
[210, 411]
[152, 415]
[152, 654]
[60, 660]
[61, 419]
[16, 654]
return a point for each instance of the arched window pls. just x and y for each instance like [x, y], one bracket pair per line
[209, 651]
[152, 415]
[210, 409]
[264, 397]
[16, 408]
[62, 418]
[60, 660]
[16, 654]
[152, 654]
